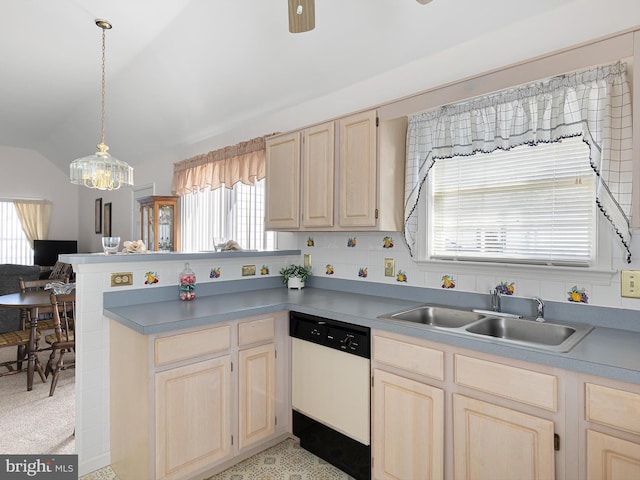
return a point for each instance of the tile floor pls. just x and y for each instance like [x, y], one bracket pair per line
[284, 461]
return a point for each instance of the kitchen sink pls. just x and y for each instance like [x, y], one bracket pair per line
[436, 316]
[530, 332]
[495, 327]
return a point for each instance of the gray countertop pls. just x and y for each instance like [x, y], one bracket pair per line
[605, 352]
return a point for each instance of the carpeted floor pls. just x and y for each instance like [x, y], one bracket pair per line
[33, 422]
[284, 461]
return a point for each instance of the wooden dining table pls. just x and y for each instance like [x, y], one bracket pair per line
[32, 302]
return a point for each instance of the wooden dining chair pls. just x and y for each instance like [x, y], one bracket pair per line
[19, 339]
[45, 316]
[63, 339]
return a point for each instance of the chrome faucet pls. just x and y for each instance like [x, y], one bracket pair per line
[495, 300]
[539, 309]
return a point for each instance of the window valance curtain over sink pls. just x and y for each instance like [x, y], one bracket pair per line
[244, 162]
[594, 104]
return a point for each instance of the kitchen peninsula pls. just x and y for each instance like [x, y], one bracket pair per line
[144, 309]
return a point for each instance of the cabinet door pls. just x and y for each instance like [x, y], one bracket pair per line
[283, 182]
[318, 172]
[408, 428]
[358, 172]
[256, 404]
[193, 417]
[611, 458]
[492, 442]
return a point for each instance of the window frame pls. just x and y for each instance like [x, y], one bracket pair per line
[600, 270]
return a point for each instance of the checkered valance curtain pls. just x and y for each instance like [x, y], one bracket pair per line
[594, 104]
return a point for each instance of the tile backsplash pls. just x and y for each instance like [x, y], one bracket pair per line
[361, 256]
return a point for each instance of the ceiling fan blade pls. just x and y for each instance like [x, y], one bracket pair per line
[306, 19]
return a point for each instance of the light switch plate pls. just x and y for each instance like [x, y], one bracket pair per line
[389, 267]
[121, 279]
[248, 270]
[630, 283]
[307, 260]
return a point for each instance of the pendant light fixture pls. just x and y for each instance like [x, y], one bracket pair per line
[302, 15]
[101, 170]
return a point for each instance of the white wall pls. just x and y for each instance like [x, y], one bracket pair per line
[27, 174]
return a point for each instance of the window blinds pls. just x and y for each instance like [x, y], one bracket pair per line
[530, 204]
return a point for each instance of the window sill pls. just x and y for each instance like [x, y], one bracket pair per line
[597, 275]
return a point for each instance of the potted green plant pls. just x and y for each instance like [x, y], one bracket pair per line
[294, 276]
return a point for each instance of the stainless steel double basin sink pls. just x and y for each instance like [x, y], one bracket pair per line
[494, 326]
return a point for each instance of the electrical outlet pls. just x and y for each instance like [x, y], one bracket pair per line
[248, 270]
[630, 283]
[389, 267]
[121, 279]
[307, 260]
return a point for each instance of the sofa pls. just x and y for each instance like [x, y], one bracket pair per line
[9, 275]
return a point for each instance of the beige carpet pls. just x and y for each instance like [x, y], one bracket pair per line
[33, 422]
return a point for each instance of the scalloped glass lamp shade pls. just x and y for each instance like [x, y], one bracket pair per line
[101, 171]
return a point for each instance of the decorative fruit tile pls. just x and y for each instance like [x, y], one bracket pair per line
[329, 270]
[387, 242]
[505, 288]
[151, 278]
[448, 281]
[264, 270]
[363, 273]
[351, 242]
[578, 295]
[215, 272]
[401, 277]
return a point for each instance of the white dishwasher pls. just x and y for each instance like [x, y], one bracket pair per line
[330, 381]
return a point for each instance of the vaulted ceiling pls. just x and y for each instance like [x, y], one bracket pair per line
[179, 71]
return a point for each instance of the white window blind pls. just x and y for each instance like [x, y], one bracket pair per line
[530, 204]
[236, 214]
[14, 245]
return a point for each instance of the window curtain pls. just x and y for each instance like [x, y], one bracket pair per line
[34, 216]
[594, 104]
[244, 162]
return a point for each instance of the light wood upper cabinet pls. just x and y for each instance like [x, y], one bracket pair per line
[493, 442]
[352, 176]
[282, 209]
[318, 161]
[358, 170]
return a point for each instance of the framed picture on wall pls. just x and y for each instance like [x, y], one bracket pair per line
[98, 215]
[107, 219]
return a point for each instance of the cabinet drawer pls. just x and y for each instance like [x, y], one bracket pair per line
[409, 356]
[526, 386]
[612, 407]
[193, 344]
[256, 330]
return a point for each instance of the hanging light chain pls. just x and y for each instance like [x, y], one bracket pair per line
[103, 83]
[104, 25]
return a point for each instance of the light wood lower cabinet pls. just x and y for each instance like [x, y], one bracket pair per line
[408, 412]
[193, 417]
[611, 458]
[408, 432]
[256, 402]
[193, 401]
[612, 423]
[493, 442]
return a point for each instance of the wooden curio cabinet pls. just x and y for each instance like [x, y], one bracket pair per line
[159, 223]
